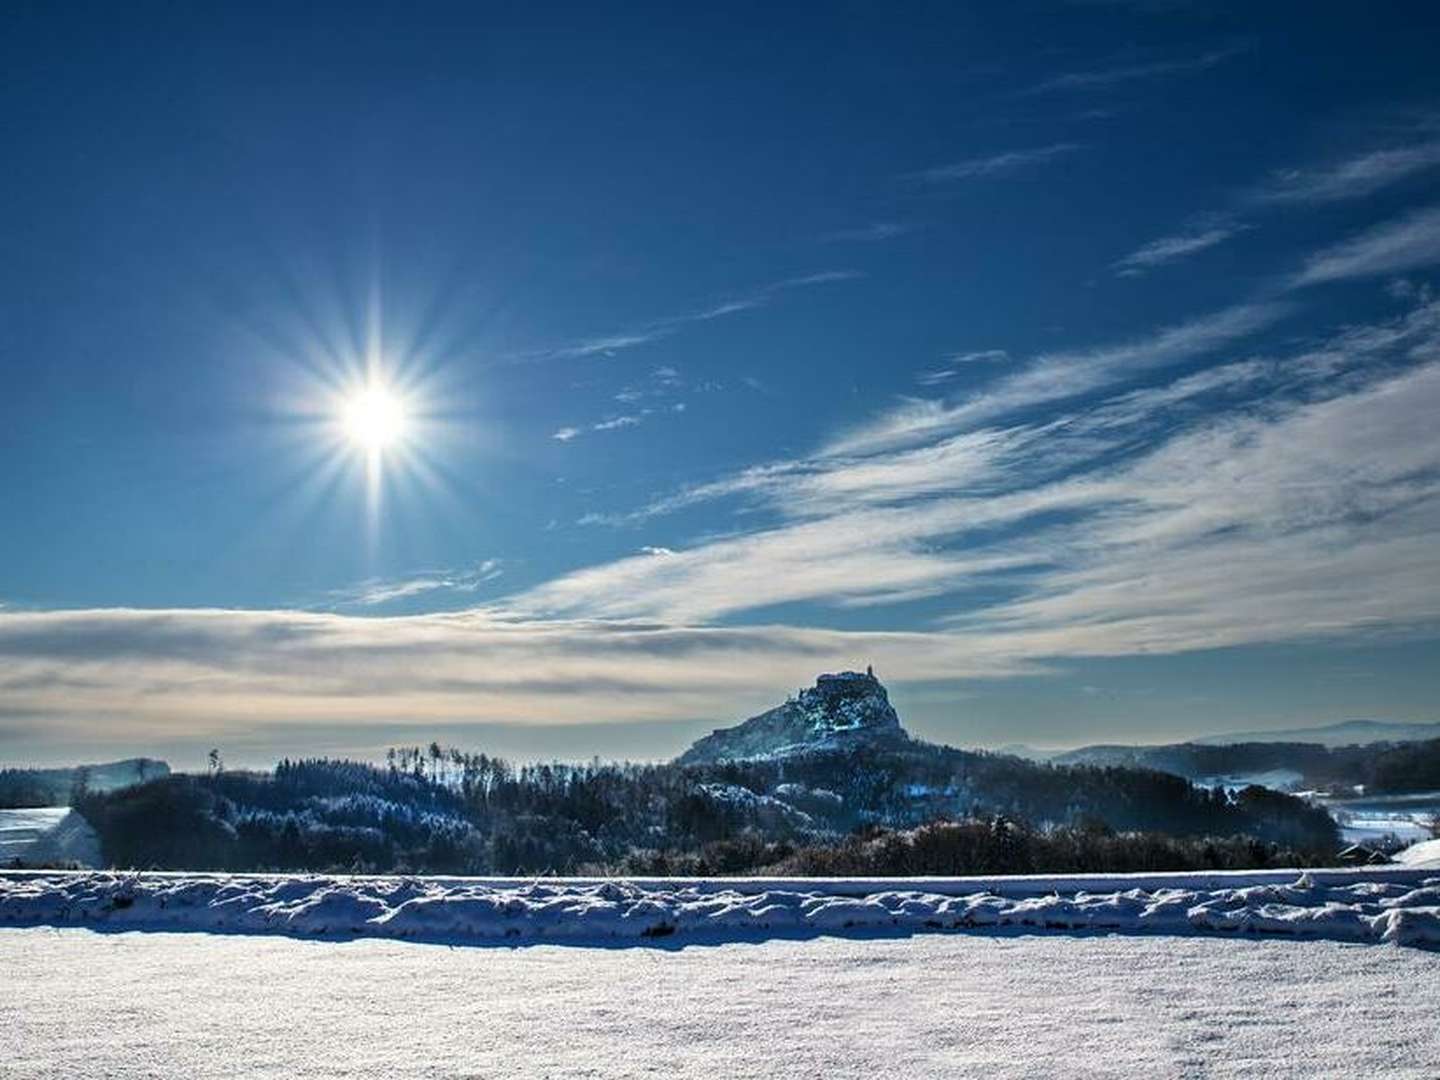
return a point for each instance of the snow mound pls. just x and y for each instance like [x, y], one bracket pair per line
[1424, 855]
[1403, 908]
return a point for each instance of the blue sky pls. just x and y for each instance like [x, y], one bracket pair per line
[1076, 365]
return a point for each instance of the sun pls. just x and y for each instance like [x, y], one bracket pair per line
[374, 418]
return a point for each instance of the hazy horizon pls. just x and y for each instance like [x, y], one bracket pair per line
[660, 740]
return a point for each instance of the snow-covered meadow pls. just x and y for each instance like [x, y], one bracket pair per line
[1001, 1004]
[1400, 905]
[47, 834]
[1252, 973]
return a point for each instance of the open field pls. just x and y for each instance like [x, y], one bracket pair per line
[131, 1004]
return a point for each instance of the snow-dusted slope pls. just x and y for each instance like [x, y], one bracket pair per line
[1424, 855]
[206, 1006]
[19, 829]
[47, 835]
[1365, 906]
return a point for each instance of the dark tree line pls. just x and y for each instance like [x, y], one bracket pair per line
[436, 810]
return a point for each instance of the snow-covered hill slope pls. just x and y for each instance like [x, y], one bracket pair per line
[1019, 1004]
[47, 835]
[1424, 855]
[1360, 905]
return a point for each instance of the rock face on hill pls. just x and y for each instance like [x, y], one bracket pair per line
[840, 711]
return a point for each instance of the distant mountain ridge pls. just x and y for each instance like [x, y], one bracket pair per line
[1343, 733]
[842, 710]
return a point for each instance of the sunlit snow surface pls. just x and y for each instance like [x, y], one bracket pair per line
[46, 833]
[1399, 906]
[1424, 855]
[75, 1003]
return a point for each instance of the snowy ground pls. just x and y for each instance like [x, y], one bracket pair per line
[1424, 855]
[1401, 906]
[1385, 829]
[78, 1003]
[1275, 779]
[1398, 819]
[47, 835]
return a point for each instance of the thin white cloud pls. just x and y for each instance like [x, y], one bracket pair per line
[1169, 249]
[656, 329]
[1392, 248]
[376, 592]
[1307, 485]
[1123, 73]
[876, 232]
[608, 344]
[1353, 177]
[615, 423]
[654, 393]
[1317, 522]
[1349, 178]
[1057, 376]
[994, 165]
[821, 277]
[957, 363]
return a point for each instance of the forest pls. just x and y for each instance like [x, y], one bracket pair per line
[437, 810]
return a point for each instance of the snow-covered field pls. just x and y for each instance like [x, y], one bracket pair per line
[1367, 905]
[47, 834]
[78, 1003]
[1402, 819]
[1375, 828]
[1275, 779]
[1425, 854]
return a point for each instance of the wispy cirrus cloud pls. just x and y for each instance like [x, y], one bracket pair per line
[1347, 178]
[1114, 74]
[875, 232]
[991, 166]
[376, 591]
[616, 422]
[1177, 246]
[934, 423]
[1391, 248]
[651, 396]
[656, 329]
[610, 423]
[1298, 503]
[1350, 178]
[1394, 247]
[1057, 376]
[954, 365]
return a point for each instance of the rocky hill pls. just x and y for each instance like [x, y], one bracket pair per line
[840, 711]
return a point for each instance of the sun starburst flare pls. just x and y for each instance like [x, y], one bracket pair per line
[374, 418]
